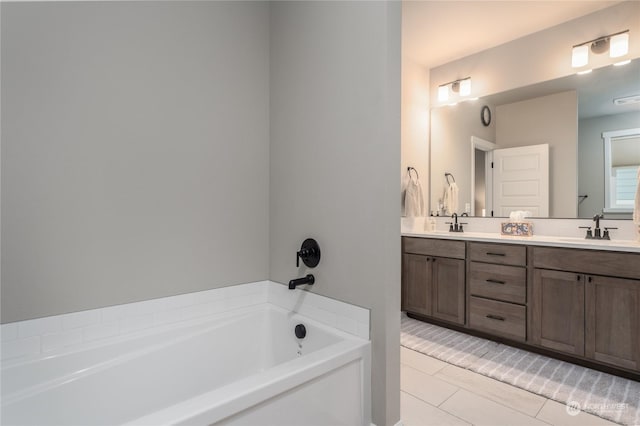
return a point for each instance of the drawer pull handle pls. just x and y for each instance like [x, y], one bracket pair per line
[495, 254]
[495, 281]
[495, 317]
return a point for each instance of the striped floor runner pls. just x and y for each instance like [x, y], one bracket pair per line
[602, 394]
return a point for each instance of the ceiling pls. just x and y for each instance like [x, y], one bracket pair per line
[437, 32]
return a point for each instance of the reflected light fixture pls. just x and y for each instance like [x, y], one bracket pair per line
[619, 64]
[627, 100]
[619, 45]
[461, 86]
[616, 44]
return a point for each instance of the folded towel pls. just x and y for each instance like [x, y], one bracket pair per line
[451, 198]
[413, 198]
[636, 205]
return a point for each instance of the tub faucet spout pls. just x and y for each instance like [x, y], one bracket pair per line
[309, 279]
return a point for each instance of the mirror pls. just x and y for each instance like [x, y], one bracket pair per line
[569, 115]
[621, 165]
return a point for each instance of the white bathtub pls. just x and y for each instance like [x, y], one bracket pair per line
[244, 367]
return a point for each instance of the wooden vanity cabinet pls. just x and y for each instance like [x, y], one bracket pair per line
[613, 321]
[586, 303]
[496, 301]
[558, 311]
[448, 289]
[416, 284]
[433, 278]
[578, 303]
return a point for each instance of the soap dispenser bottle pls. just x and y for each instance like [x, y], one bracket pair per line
[431, 224]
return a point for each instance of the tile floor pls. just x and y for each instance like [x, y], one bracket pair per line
[436, 393]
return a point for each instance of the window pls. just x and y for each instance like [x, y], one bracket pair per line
[621, 163]
[624, 181]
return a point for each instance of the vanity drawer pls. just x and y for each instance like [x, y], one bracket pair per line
[434, 247]
[502, 254]
[611, 263]
[507, 283]
[501, 318]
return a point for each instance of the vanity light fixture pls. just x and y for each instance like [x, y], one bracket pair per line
[464, 87]
[627, 100]
[461, 86]
[580, 56]
[443, 93]
[616, 44]
[619, 64]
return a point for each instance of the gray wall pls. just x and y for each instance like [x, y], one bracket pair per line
[335, 153]
[553, 120]
[135, 151]
[591, 157]
[415, 123]
[451, 131]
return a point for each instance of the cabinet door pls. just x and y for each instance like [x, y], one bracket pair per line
[416, 284]
[558, 311]
[613, 321]
[448, 289]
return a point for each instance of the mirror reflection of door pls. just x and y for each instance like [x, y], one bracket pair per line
[521, 180]
[509, 179]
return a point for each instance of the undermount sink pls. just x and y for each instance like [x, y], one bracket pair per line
[598, 242]
[581, 240]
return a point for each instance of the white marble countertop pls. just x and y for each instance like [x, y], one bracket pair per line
[536, 240]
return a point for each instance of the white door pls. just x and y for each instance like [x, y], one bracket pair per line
[521, 180]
